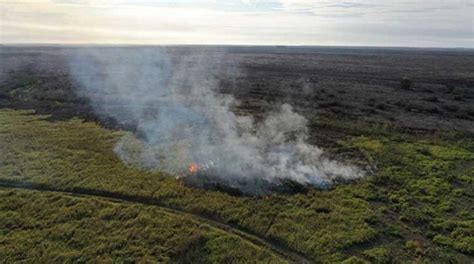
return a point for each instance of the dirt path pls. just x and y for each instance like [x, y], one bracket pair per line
[278, 249]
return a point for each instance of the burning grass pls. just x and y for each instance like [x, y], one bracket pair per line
[417, 206]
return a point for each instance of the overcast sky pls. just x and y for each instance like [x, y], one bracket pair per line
[423, 23]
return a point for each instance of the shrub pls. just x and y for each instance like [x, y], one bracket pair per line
[378, 255]
[406, 84]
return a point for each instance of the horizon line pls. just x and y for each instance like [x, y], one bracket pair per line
[235, 45]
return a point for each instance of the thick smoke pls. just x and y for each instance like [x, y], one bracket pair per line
[182, 120]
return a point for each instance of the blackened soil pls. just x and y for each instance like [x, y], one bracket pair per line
[416, 89]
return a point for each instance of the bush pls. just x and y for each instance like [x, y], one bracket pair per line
[354, 260]
[406, 84]
[378, 255]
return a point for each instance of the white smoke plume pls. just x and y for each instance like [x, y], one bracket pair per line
[181, 118]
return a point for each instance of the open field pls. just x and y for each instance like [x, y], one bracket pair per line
[356, 83]
[77, 228]
[416, 204]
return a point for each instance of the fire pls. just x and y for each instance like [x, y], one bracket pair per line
[193, 168]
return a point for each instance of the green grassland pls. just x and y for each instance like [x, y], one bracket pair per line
[50, 227]
[417, 206]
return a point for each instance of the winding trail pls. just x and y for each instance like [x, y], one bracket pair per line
[277, 248]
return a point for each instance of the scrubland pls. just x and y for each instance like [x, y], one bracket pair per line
[404, 116]
[415, 206]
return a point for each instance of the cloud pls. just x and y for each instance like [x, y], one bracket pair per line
[286, 22]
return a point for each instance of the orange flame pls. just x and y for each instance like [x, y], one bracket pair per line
[193, 168]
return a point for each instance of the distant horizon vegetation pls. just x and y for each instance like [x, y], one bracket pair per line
[362, 47]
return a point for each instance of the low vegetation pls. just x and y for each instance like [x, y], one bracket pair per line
[53, 227]
[415, 206]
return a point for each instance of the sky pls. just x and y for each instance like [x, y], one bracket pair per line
[409, 23]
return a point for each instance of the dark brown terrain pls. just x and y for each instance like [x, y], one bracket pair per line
[406, 116]
[417, 89]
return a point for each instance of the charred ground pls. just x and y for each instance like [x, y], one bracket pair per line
[406, 113]
[417, 89]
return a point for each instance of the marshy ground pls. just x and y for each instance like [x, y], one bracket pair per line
[407, 115]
